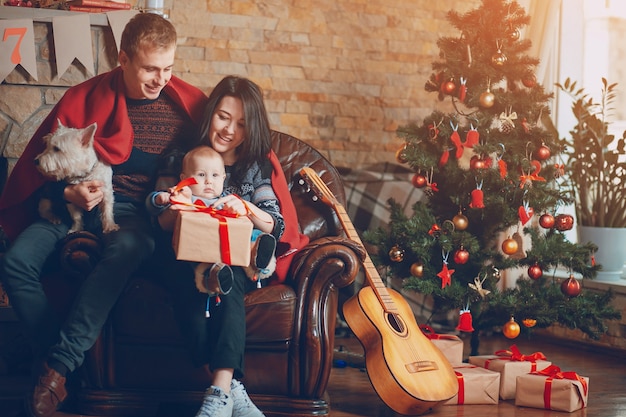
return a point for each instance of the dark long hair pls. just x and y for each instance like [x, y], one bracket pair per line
[257, 142]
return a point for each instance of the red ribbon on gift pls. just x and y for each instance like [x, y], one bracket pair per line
[515, 355]
[554, 372]
[460, 399]
[429, 332]
[220, 215]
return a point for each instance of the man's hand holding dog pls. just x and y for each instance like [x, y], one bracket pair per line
[86, 195]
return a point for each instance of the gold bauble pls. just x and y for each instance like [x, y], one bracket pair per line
[498, 59]
[509, 246]
[460, 222]
[417, 269]
[401, 155]
[396, 254]
[487, 99]
[511, 329]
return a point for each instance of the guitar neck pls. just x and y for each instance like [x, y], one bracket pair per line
[371, 272]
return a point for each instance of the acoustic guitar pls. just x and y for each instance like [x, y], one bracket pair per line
[408, 372]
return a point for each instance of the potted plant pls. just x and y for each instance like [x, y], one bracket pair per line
[595, 169]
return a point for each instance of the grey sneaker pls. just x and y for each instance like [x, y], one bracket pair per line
[243, 405]
[216, 404]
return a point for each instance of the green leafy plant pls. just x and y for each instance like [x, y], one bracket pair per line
[595, 159]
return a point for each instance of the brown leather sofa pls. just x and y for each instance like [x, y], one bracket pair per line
[140, 365]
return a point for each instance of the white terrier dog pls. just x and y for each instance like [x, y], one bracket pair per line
[70, 156]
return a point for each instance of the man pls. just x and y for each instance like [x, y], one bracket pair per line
[141, 110]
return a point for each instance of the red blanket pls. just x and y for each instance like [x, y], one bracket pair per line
[82, 105]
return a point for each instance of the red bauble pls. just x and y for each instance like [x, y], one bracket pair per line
[529, 81]
[546, 221]
[477, 163]
[449, 87]
[570, 287]
[461, 256]
[535, 271]
[543, 153]
[419, 181]
[564, 222]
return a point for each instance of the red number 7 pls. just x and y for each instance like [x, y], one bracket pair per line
[16, 58]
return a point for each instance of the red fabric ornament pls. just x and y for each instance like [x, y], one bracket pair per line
[465, 321]
[477, 198]
[525, 213]
[445, 274]
[444, 157]
[462, 89]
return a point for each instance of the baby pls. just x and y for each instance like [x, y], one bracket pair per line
[206, 166]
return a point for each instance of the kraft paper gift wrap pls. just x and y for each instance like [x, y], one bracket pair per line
[476, 386]
[201, 237]
[450, 345]
[552, 389]
[510, 364]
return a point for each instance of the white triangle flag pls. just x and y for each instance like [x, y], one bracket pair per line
[117, 22]
[72, 39]
[17, 47]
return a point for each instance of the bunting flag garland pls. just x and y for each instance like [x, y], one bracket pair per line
[71, 39]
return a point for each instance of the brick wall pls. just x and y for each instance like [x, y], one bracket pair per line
[341, 75]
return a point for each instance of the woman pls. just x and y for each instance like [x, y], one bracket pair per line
[236, 125]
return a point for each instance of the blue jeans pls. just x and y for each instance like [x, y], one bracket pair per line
[34, 251]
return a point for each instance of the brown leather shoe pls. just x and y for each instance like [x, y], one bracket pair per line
[48, 394]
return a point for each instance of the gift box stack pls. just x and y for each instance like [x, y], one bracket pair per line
[533, 381]
[476, 385]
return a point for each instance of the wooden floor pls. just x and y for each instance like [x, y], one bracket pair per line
[351, 393]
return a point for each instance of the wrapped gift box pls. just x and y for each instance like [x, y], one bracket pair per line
[204, 237]
[552, 389]
[450, 345]
[476, 386]
[510, 364]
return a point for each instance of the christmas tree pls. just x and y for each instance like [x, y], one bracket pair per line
[491, 171]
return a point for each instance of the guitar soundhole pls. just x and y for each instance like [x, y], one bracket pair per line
[396, 323]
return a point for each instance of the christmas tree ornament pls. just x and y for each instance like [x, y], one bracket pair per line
[448, 87]
[559, 170]
[477, 286]
[431, 187]
[461, 256]
[433, 130]
[465, 321]
[401, 155]
[570, 287]
[529, 322]
[396, 254]
[519, 253]
[506, 120]
[514, 35]
[498, 59]
[543, 152]
[435, 231]
[526, 180]
[460, 221]
[546, 221]
[445, 274]
[419, 181]
[529, 80]
[462, 89]
[477, 197]
[464, 150]
[511, 329]
[509, 246]
[417, 269]
[525, 212]
[564, 222]
[487, 99]
[535, 271]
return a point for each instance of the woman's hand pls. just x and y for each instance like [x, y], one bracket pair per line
[86, 195]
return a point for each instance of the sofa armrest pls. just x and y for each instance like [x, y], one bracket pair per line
[318, 271]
